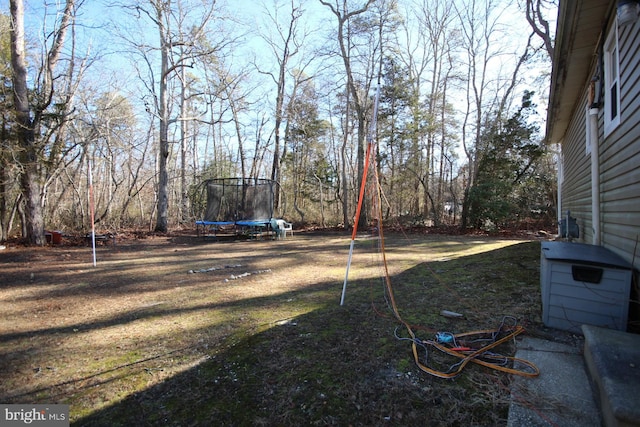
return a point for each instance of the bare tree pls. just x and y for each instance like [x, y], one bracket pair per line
[430, 56]
[488, 90]
[30, 111]
[179, 46]
[536, 13]
[237, 101]
[9, 192]
[286, 40]
[284, 45]
[357, 95]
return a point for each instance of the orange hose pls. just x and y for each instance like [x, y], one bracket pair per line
[473, 356]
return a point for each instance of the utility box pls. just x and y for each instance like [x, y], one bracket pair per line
[584, 284]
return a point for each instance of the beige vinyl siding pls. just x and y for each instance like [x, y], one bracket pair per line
[619, 162]
[580, 50]
[620, 157]
[576, 187]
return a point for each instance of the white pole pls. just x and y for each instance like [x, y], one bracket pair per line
[92, 210]
[559, 189]
[346, 275]
[595, 177]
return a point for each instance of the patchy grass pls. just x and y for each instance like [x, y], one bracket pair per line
[182, 331]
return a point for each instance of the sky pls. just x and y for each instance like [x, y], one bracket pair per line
[247, 17]
[97, 35]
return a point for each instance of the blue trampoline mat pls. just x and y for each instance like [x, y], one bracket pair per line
[253, 222]
[215, 222]
[242, 222]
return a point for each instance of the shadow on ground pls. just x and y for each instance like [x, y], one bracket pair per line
[349, 365]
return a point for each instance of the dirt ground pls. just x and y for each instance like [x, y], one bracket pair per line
[182, 330]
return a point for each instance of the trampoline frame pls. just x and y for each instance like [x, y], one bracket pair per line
[238, 217]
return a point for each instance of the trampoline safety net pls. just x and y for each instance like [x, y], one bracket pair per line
[237, 199]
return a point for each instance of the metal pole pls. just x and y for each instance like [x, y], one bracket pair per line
[92, 210]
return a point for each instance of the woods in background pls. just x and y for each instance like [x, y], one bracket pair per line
[160, 95]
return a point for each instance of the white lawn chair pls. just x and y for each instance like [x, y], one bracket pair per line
[280, 227]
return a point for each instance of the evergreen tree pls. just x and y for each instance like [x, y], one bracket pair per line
[506, 169]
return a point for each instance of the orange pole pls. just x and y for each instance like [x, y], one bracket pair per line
[362, 187]
[370, 143]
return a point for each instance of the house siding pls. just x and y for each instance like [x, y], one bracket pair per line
[620, 157]
[619, 161]
[576, 187]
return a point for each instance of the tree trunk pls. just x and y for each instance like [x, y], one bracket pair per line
[162, 220]
[275, 168]
[34, 226]
[358, 103]
[184, 197]
[4, 179]
[343, 168]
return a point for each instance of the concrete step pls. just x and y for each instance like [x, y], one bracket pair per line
[613, 362]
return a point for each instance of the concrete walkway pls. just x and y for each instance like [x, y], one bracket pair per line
[598, 385]
[560, 396]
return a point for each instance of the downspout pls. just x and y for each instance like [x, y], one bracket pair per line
[559, 185]
[595, 166]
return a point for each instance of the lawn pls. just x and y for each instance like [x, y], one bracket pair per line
[178, 330]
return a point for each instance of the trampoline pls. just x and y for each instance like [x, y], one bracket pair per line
[242, 206]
